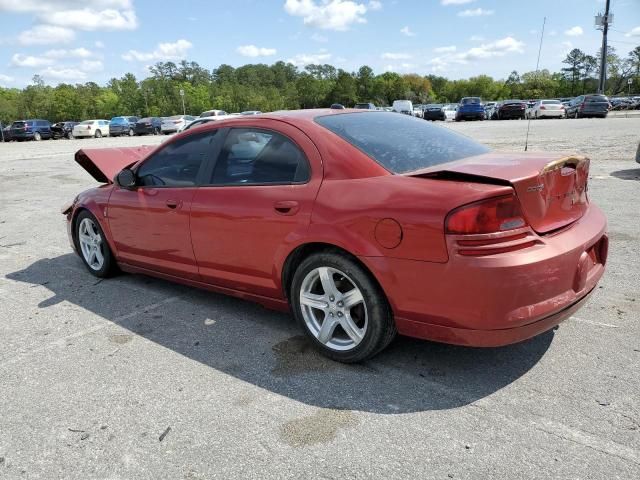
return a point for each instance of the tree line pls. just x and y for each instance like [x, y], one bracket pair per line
[284, 86]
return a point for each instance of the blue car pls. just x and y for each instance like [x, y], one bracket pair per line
[470, 108]
[122, 126]
[31, 130]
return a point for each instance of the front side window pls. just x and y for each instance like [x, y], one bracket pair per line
[259, 157]
[177, 164]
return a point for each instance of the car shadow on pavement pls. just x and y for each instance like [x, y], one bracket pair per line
[267, 348]
[630, 174]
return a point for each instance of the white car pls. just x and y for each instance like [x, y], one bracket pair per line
[175, 123]
[547, 109]
[450, 111]
[214, 113]
[91, 128]
[403, 106]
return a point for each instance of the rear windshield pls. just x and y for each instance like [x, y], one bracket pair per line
[506, 102]
[401, 143]
[19, 124]
[551, 102]
[434, 105]
[596, 98]
[147, 119]
[175, 117]
[470, 100]
[87, 122]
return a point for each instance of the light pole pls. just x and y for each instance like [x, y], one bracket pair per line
[184, 111]
[603, 21]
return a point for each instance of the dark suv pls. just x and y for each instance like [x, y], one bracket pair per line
[122, 126]
[588, 106]
[148, 125]
[30, 130]
[62, 129]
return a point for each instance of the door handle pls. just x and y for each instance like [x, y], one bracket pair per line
[286, 207]
[173, 204]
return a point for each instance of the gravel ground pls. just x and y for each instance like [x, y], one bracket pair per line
[134, 377]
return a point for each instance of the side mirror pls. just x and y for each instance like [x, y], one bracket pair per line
[125, 178]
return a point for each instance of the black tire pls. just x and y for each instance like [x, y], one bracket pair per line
[109, 267]
[381, 328]
[156, 131]
[37, 137]
[98, 134]
[131, 132]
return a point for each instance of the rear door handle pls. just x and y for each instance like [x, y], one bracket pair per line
[287, 207]
[173, 204]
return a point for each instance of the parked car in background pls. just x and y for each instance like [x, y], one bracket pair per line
[91, 128]
[594, 105]
[547, 109]
[488, 109]
[470, 108]
[403, 106]
[251, 112]
[510, 109]
[434, 111]
[365, 106]
[417, 111]
[148, 126]
[175, 123]
[197, 122]
[62, 129]
[122, 126]
[450, 110]
[214, 113]
[31, 130]
[5, 132]
[457, 244]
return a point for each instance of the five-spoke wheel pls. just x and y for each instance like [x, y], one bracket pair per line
[92, 245]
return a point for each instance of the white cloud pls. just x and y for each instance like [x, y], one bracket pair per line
[316, 37]
[475, 12]
[395, 56]
[447, 49]
[407, 31]
[498, 48]
[99, 44]
[455, 2]
[253, 51]
[574, 31]
[303, 59]
[46, 35]
[4, 79]
[20, 60]
[329, 14]
[62, 53]
[91, 15]
[634, 32]
[91, 66]
[163, 52]
[63, 73]
[375, 5]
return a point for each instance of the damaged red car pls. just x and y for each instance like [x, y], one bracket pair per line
[362, 224]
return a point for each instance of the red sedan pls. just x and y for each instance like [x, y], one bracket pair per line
[363, 224]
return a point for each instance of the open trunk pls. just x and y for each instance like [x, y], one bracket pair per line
[104, 163]
[551, 188]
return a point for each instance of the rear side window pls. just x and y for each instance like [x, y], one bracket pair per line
[177, 164]
[401, 143]
[259, 157]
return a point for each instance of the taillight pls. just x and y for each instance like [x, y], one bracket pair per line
[498, 214]
[542, 107]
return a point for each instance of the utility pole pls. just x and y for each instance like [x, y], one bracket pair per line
[184, 111]
[604, 22]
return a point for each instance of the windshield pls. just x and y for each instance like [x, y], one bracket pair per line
[401, 143]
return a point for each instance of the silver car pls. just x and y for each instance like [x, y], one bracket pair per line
[175, 123]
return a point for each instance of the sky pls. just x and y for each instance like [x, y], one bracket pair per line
[95, 40]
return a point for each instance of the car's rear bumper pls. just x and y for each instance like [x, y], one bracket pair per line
[500, 298]
[551, 113]
[169, 129]
[22, 136]
[84, 133]
[144, 131]
[511, 113]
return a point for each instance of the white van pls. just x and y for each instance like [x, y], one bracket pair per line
[403, 106]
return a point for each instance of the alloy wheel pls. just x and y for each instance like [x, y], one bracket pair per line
[91, 244]
[333, 308]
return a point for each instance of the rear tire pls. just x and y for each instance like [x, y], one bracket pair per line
[345, 313]
[37, 137]
[98, 134]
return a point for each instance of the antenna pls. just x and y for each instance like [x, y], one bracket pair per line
[544, 22]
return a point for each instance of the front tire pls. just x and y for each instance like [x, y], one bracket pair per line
[92, 246]
[131, 132]
[341, 308]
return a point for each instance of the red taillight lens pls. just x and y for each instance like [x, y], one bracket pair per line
[497, 214]
[542, 107]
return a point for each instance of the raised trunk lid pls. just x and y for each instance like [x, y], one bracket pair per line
[552, 188]
[104, 163]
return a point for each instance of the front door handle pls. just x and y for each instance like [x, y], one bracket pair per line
[287, 207]
[173, 204]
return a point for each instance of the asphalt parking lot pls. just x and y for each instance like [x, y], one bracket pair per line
[134, 377]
